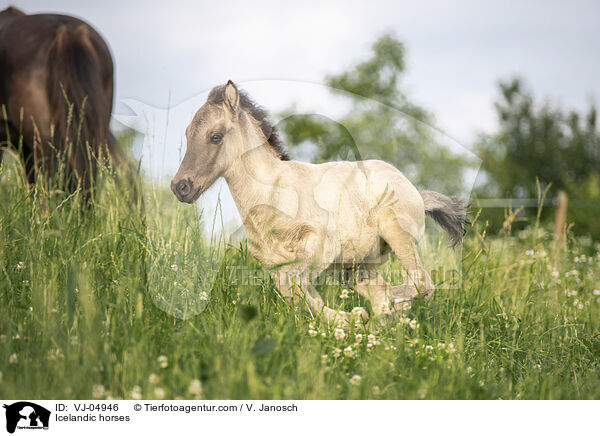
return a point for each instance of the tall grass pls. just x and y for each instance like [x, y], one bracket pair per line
[115, 301]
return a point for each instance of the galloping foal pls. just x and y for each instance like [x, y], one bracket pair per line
[304, 219]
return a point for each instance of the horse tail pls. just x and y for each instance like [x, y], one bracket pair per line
[449, 212]
[80, 108]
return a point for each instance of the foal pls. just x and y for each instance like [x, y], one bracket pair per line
[303, 219]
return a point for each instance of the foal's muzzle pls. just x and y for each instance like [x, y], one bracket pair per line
[185, 191]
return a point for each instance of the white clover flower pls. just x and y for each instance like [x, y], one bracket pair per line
[159, 393]
[13, 358]
[355, 380]
[174, 267]
[359, 337]
[451, 348]
[195, 387]
[596, 292]
[97, 391]
[414, 324]
[153, 379]
[337, 352]
[136, 393]
[339, 334]
[555, 273]
[428, 348]
[529, 252]
[203, 296]
[312, 332]
[349, 352]
[469, 370]
[344, 294]
[20, 266]
[163, 362]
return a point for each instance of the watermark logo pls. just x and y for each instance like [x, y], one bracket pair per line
[25, 415]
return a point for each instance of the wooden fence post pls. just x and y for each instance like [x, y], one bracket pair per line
[559, 222]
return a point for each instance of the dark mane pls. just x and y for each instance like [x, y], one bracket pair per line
[216, 96]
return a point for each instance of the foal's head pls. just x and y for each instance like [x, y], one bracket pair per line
[224, 128]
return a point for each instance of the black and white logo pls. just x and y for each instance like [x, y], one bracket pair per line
[26, 415]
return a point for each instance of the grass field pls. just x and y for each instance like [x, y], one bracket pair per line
[87, 303]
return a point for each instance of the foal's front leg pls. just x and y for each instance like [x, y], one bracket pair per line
[297, 285]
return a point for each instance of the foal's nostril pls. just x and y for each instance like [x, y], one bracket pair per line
[183, 187]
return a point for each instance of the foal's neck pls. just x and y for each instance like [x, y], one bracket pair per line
[254, 174]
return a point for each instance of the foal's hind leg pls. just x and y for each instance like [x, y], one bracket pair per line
[417, 280]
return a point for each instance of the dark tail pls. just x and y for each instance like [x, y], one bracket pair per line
[79, 105]
[449, 212]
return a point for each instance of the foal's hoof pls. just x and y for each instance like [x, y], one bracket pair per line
[402, 293]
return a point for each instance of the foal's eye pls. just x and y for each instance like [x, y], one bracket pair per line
[216, 138]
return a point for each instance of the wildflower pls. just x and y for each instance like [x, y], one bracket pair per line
[469, 370]
[339, 334]
[337, 352]
[428, 348]
[312, 332]
[596, 292]
[324, 357]
[203, 296]
[153, 379]
[372, 341]
[451, 348]
[136, 393]
[20, 266]
[174, 267]
[344, 294]
[195, 387]
[555, 273]
[349, 352]
[323, 334]
[26, 283]
[414, 324]
[355, 380]
[529, 252]
[159, 393]
[13, 358]
[359, 337]
[97, 391]
[163, 362]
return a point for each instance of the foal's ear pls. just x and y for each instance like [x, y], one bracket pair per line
[232, 97]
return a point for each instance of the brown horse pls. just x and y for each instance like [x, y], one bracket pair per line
[56, 95]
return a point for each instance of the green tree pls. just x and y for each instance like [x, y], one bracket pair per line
[558, 147]
[397, 130]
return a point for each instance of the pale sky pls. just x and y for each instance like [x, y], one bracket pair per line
[457, 51]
